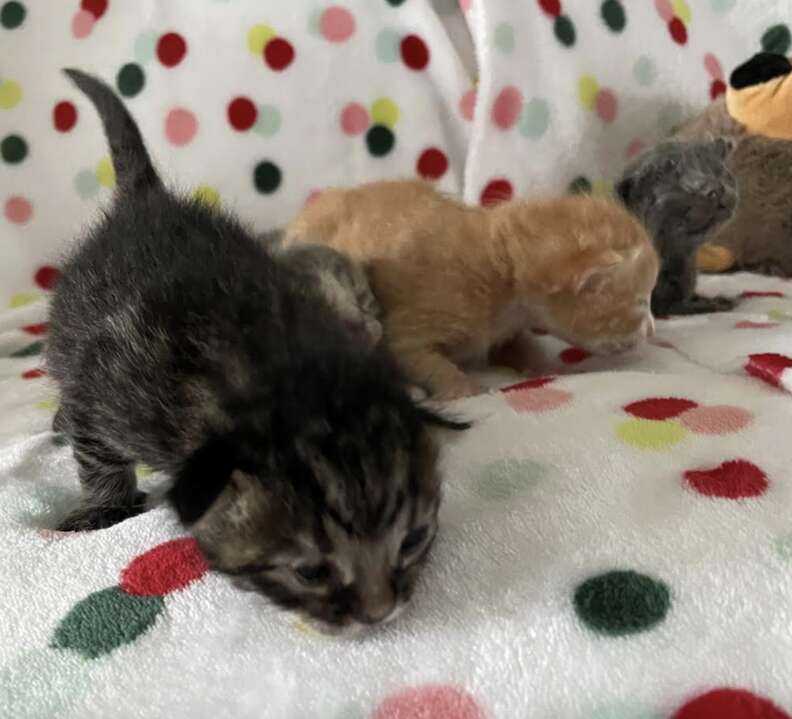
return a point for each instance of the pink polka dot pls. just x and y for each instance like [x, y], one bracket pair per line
[749, 325]
[720, 419]
[313, 195]
[337, 24]
[430, 702]
[507, 106]
[465, 5]
[82, 24]
[607, 105]
[467, 104]
[18, 210]
[354, 119]
[180, 126]
[634, 148]
[713, 67]
[541, 399]
[664, 9]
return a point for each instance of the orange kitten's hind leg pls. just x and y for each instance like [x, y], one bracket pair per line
[443, 379]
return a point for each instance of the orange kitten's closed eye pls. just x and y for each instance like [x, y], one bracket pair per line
[454, 281]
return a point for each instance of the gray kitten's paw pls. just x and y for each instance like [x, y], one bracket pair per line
[90, 517]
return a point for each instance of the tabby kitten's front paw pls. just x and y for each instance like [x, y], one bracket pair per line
[91, 517]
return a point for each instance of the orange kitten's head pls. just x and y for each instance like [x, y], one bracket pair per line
[588, 267]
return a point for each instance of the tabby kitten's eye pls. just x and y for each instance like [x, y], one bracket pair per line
[413, 540]
[313, 573]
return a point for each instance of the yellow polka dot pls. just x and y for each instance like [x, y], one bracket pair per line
[105, 173]
[682, 11]
[651, 434]
[588, 88]
[385, 112]
[602, 188]
[51, 405]
[307, 629]
[10, 94]
[23, 298]
[258, 36]
[779, 315]
[207, 195]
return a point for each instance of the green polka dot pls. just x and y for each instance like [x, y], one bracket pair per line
[131, 79]
[87, 184]
[267, 177]
[106, 620]
[315, 21]
[395, 3]
[621, 602]
[651, 434]
[13, 149]
[776, 39]
[386, 45]
[722, 5]
[268, 121]
[564, 31]
[783, 547]
[145, 45]
[507, 478]
[579, 186]
[35, 348]
[612, 13]
[644, 70]
[12, 15]
[503, 38]
[380, 140]
[534, 118]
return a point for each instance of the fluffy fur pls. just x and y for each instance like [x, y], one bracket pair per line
[759, 237]
[683, 192]
[177, 339]
[457, 282]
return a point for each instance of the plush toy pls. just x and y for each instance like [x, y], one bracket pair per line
[758, 111]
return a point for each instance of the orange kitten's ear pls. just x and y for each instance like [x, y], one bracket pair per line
[592, 273]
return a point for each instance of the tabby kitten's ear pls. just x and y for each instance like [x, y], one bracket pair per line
[203, 477]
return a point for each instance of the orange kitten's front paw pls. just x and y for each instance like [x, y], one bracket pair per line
[463, 387]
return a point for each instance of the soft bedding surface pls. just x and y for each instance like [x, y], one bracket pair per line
[616, 538]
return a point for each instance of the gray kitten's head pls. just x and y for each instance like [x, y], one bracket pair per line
[344, 285]
[681, 190]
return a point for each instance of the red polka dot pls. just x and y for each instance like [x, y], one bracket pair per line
[414, 52]
[430, 702]
[574, 355]
[33, 374]
[607, 105]
[768, 367]
[242, 113]
[47, 277]
[551, 7]
[278, 53]
[354, 119]
[39, 329]
[659, 408]
[736, 479]
[18, 210]
[498, 190]
[164, 569]
[467, 104]
[634, 148]
[180, 126]
[534, 383]
[97, 8]
[730, 704]
[678, 30]
[64, 116]
[717, 89]
[337, 24]
[432, 164]
[171, 49]
[507, 106]
[749, 293]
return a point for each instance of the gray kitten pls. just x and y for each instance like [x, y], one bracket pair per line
[297, 460]
[683, 192]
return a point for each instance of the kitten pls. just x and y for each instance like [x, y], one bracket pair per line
[455, 282]
[298, 461]
[683, 192]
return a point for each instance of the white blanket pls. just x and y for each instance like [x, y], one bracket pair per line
[616, 541]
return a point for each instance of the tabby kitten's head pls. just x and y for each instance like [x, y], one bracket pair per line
[326, 504]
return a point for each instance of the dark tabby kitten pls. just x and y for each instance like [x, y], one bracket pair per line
[298, 461]
[683, 192]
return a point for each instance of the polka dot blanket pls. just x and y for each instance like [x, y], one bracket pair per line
[616, 539]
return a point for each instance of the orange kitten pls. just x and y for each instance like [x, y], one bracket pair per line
[456, 282]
